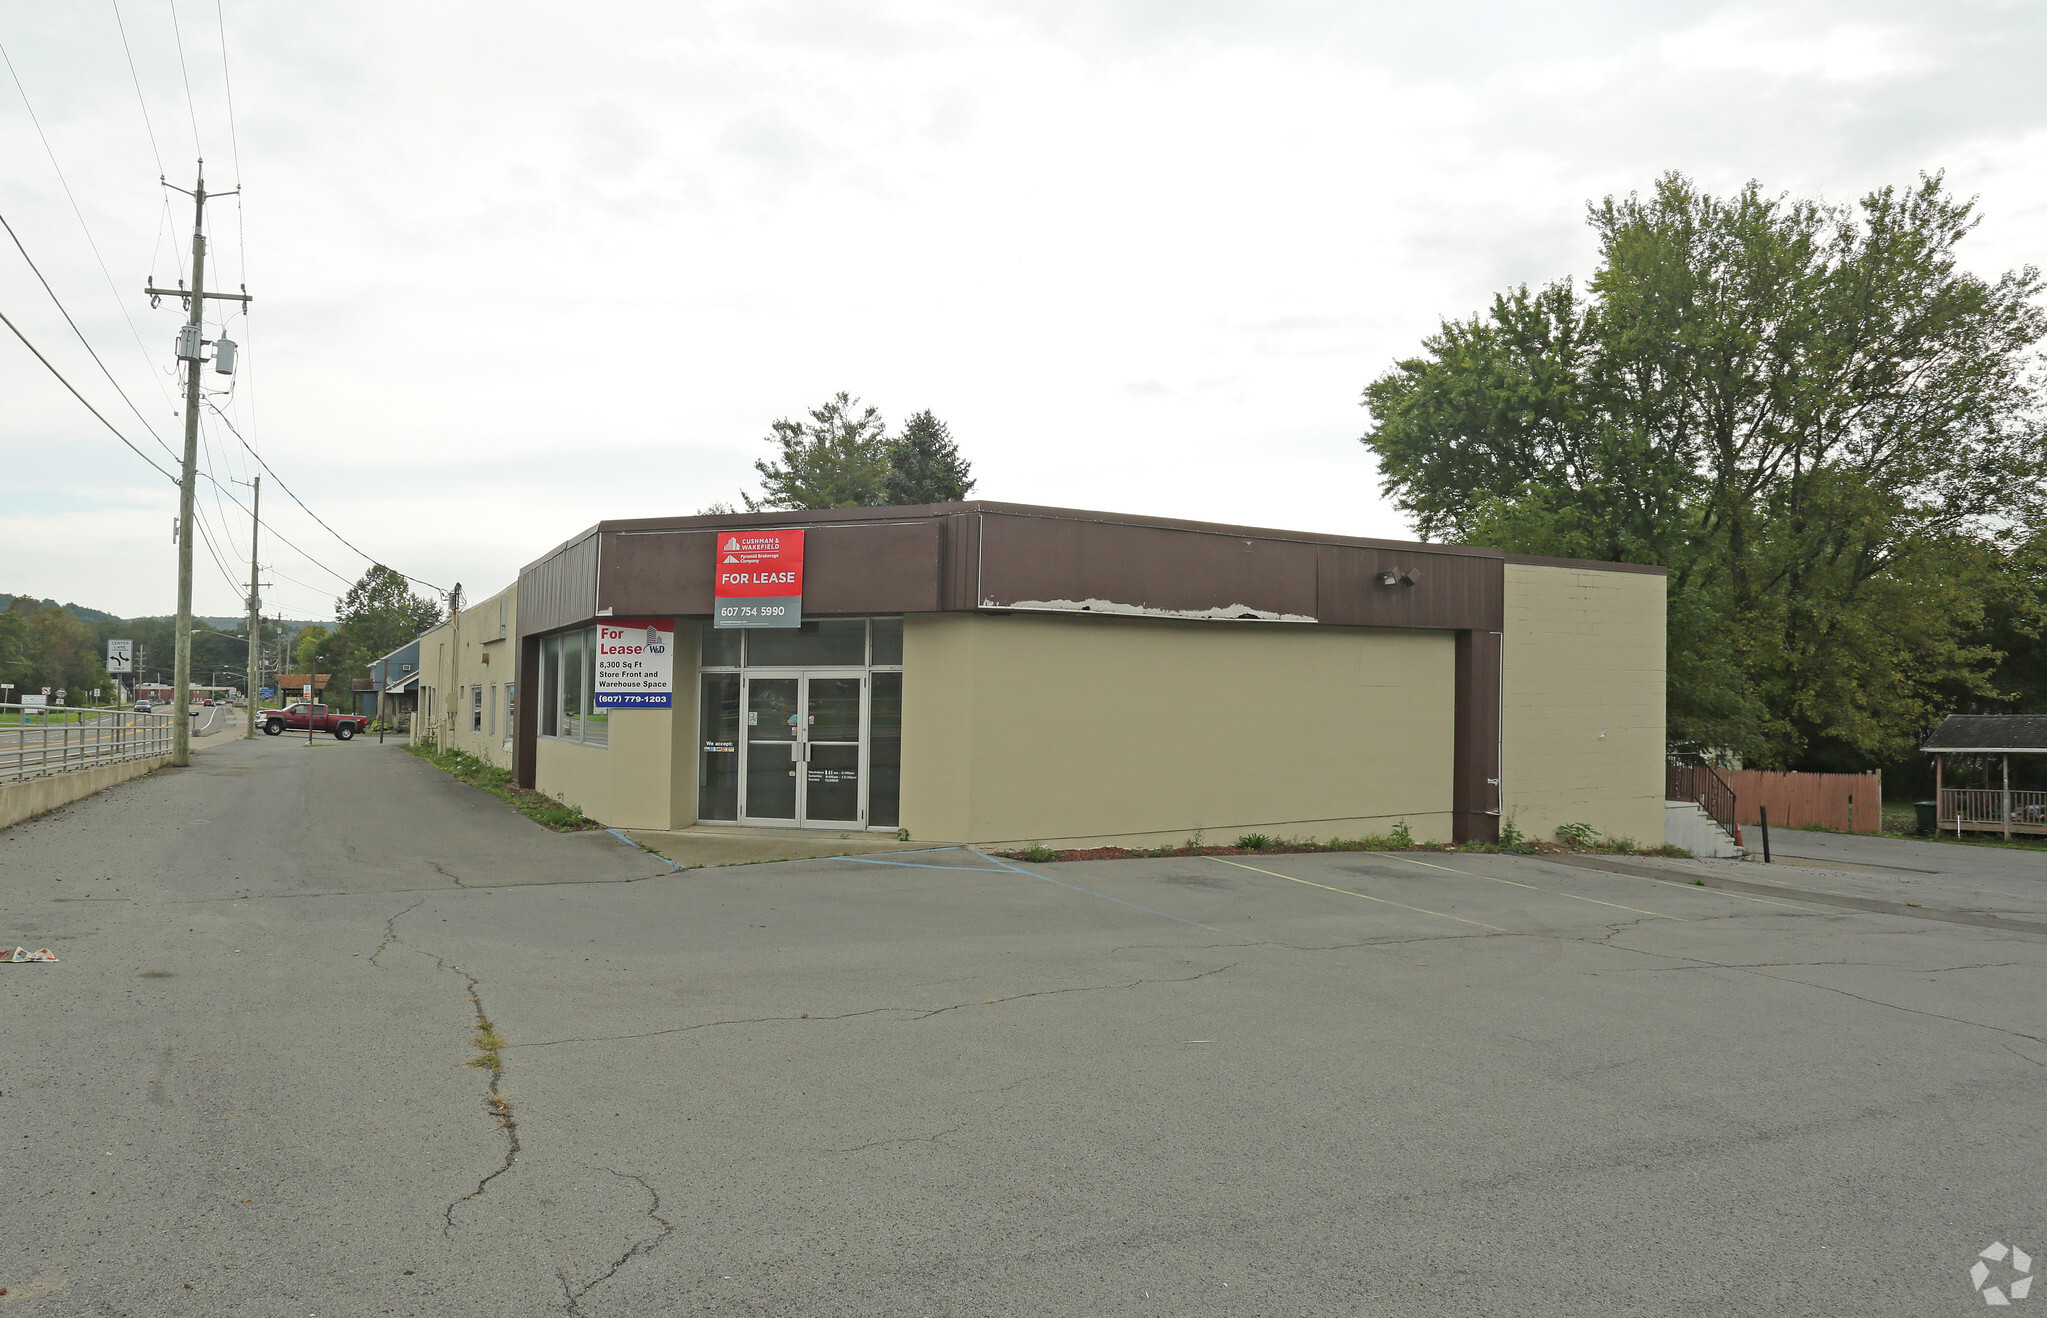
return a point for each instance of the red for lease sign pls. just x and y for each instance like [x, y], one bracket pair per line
[759, 564]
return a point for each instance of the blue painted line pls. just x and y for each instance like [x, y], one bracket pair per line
[637, 847]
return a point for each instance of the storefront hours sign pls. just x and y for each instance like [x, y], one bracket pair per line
[634, 667]
[759, 579]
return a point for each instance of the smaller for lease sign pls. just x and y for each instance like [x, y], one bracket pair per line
[635, 664]
[759, 579]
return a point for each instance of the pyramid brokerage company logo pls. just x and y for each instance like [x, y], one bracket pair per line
[2011, 1280]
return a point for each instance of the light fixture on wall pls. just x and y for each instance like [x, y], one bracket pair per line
[1406, 576]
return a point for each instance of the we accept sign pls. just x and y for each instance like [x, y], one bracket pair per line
[759, 579]
[634, 667]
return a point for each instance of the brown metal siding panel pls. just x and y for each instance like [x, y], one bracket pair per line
[890, 567]
[1448, 592]
[1076, 565]
[560, 589]
[1475, 779]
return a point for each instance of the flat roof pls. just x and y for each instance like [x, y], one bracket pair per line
[984, 556]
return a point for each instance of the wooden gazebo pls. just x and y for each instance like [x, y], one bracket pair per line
[1989, 809]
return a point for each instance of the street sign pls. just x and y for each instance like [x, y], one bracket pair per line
[120, 656]
[38, 701]
[306, 692]
[758, 579]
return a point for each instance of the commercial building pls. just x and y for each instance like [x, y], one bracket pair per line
[466, 686]
[996, 673]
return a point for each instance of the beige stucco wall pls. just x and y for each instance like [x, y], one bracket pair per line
[1026, 727]
[646, 776]
[1582, 671]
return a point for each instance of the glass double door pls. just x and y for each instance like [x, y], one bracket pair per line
[803, 761]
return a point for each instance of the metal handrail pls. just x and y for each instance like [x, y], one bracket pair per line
[40, 740]
[1683, 781]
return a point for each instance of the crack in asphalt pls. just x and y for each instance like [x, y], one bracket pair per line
[908, 1139]
[391, 931]
[495, 1104]
[1700, 963]
[447, 873]
[913, 1013]
[573, 1297]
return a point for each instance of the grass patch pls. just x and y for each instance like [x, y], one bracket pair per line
[541, 809]
[1398, 838]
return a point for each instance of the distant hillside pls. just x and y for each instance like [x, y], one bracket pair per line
[78, 611]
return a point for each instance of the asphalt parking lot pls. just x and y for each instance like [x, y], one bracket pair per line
[932, 1084]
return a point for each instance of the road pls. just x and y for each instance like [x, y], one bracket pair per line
[928, 1084]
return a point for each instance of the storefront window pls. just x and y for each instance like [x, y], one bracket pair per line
[565, 676]
[718, 758]
[834, 643]
[887, 643]
[885, 750]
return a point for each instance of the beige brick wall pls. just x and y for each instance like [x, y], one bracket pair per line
[1025, 727]
[1582, 701]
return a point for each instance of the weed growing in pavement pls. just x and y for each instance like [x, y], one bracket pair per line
[1036, 852]
[1401, 837]
[1577, 835]
[542, 810]
[1255, 842]
[1511, 836]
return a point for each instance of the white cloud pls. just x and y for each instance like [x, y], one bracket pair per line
[516, 273]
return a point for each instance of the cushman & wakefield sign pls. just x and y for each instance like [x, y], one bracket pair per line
[759, 579]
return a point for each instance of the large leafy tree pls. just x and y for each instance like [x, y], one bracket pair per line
[1811, 414]
[843, 457]
[835, 458]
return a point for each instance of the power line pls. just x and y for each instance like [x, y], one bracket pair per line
[81, 397]
[178, 32]
[308, 511]
[137, 80]
[82, 339]
[234, 142]
[91, 242]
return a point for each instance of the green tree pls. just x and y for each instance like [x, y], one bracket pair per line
[838, 458]
[924, 465]
[379, 613]
[44, 645]
[307, 647]
[1811, 414]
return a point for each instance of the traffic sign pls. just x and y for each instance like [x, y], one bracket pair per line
[120, 656]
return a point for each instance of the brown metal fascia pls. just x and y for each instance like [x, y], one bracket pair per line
[1588, 564]
[1231, 530]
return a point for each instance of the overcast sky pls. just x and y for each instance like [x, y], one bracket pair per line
[522, 267]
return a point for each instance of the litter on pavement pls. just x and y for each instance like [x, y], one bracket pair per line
[18, 954]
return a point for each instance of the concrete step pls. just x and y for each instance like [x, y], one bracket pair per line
[1687, 825]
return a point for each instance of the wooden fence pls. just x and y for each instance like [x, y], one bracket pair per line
[1852, 802]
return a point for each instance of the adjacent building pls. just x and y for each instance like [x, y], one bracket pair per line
[997, 673]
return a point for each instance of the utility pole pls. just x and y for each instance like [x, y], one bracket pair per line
[255, 660]
[191, 351]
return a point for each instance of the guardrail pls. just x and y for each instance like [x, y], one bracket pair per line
[38, 740]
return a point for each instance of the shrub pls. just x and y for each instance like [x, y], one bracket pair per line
[1577, 835]
[1254, 841]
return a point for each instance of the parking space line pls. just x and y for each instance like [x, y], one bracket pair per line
[1658, 915]
[1367, 896]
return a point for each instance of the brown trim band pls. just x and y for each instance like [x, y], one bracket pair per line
[1589, 564]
